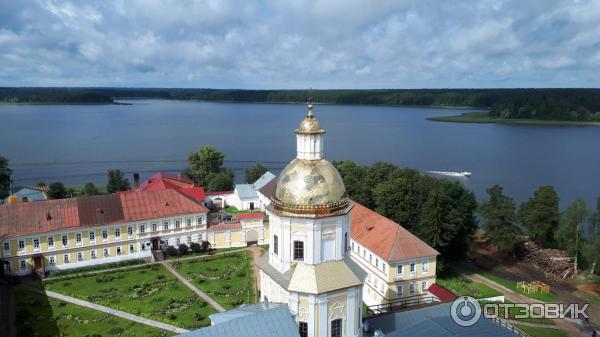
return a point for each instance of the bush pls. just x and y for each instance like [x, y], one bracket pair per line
[171, 251]
[198, 316]
[195, 247]
[183, 249]
[205, 246]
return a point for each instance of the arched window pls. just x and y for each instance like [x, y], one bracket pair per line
[336, 328]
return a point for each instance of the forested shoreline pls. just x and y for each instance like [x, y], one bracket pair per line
[536, 104]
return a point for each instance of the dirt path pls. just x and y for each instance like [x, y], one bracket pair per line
[571, 327]
[256, 254]
[114, 312]
[192, 287]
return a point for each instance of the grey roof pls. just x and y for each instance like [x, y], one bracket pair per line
[242, 311]
[272, 322]
[433, 321]
[245, 191]
[263, 180]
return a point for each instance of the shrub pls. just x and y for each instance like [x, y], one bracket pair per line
[183, 249]
[195, 247]
[198, 316]
[172, 317]
[171, 251]
[205, 245]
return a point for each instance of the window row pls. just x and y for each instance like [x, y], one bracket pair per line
[66, 258]
[166, 225]
[374, 261]
[297, 248]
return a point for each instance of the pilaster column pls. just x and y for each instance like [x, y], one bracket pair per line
[312, 300]
[323, 320]
[294, 300]
[351, 313]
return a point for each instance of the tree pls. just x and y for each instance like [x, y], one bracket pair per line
[439, 220]
[541, 215]
[593, 250]
[89, 189]
[568, 234]
[195, 247]
[5, 173]
[203, 162]
[57, 190]
[40, 184]
[254, 172]
[500, 216]
[221, 181]
[354, 177]
[116, 181]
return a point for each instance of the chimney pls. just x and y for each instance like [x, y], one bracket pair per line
[136, 180]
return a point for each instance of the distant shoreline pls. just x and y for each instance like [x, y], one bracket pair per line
[484, 118]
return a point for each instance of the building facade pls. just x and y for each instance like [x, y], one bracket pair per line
[79, 232]
[308, 265]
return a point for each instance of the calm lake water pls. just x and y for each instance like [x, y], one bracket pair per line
[78, 143]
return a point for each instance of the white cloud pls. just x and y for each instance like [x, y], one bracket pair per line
[299, 44]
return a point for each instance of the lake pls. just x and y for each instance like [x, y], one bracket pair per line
[78, 143]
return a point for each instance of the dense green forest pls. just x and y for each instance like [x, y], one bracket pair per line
[543, 104]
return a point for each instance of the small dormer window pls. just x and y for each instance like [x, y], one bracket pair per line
[48, 216]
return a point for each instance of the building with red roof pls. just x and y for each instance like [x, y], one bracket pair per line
[165, 181]
[77, 232]
[397, 262]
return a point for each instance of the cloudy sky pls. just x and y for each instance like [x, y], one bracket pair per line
[300, 44]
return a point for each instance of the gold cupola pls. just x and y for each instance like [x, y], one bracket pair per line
[310, 186]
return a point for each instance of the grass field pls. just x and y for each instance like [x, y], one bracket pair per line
[463, 287]
[38, 315]
[228, 278]
[512, 285]
[149, 291]
[541, 332]
[483, 117]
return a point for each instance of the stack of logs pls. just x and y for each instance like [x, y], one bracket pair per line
[554, 262]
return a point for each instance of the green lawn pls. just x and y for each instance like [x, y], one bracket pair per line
[226, 278]
[512, 285]
[461, 286]
[234, 211]
[149, 291]
[215, 251]
[483, 117]
[541, 332]
[38, 315]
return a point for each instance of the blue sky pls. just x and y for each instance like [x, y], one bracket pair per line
[299, 44]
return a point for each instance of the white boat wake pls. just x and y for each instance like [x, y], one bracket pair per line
[451, 174]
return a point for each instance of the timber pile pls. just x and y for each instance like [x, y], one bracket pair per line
[554, 262]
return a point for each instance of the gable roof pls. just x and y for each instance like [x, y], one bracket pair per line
[263, 180]
[245, 191]
[384, 237]
[268, 190]
[52, 215]
[272, 322]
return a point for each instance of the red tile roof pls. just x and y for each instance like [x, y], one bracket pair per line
[225, 226]
[52, 215]
[384, 237]
[219, 192]
[248, 216]
[442, 293]
[194, 192]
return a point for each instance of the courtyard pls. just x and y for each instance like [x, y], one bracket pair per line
[149, 291]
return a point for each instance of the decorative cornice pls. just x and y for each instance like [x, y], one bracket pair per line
[310, 211]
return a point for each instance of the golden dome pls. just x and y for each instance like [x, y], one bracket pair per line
[310, 124]
[310, 187]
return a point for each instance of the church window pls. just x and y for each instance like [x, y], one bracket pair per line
[303, 329]
[336, 328]
[276, 245]
[299, 250]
